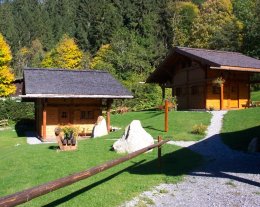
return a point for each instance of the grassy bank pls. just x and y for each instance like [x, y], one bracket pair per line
[255, 96]
[239, 127]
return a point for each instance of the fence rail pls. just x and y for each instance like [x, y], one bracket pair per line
[29, 194]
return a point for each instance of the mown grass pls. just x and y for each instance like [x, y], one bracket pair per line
[239, 127]
[255, 96]
[180, 123]
[24, 166]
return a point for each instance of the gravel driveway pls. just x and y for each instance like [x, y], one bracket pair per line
[229, 178]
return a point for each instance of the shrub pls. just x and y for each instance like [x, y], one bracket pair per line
[13, 109]
[199, 129]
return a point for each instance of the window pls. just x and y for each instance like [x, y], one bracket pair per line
[64, 115]
[178, 91]
[215, 89]
[86, 115]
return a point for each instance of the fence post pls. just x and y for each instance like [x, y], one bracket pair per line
[159, 152]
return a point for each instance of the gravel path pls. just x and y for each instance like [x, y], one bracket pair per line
[230, 178]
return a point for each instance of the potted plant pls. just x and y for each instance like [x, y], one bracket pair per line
[218, 81]
[70, 135]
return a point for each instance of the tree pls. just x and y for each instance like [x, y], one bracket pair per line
[28, 57]
[96, 21]
[216, 27]
[6, 77]
[182, 17]
[66, 54]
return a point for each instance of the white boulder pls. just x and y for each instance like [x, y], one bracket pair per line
[134, 138]
[100, 128]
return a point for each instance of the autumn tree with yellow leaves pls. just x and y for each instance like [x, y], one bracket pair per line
[6, 77]
[66, 54]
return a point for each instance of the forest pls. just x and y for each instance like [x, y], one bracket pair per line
[127, 38]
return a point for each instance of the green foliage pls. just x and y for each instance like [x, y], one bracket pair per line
[182, 17]
[14, 110]
[199, 129]
[216, 27]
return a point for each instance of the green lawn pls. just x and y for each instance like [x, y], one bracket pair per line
[240, 126]
[180, 123]
[255, 96]
[24, 166]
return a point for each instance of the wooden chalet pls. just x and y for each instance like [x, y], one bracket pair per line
[206, 79]
[75, 97]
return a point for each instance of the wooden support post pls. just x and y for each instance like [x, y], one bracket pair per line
[166, 116]
[44, 117]
[238, 98]
[108, 115]
[221, 95]
[159, 152]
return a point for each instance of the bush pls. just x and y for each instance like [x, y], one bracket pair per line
[13, 109]
[199, 129]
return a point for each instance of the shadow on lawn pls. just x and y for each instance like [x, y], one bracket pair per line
[24, 125]
[219, 162]
[89, 187]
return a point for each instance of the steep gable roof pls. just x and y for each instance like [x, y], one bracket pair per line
[215, 59]
[62, 83]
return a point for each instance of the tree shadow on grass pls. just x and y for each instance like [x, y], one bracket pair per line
[219, 160]
[24, 125]
[152, 128]
[240, 140]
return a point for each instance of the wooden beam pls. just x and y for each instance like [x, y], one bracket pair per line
[257, 70]
[221, 96]
[166, 116]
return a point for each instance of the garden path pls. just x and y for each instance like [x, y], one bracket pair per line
[229, 178]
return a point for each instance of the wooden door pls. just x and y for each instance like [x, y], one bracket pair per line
[234, 95]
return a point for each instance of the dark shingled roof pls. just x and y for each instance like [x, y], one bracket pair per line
[72, 83]
[220, 58]
[215, 59]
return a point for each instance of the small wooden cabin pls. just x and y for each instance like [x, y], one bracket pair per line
[206, 79]
[75, 97]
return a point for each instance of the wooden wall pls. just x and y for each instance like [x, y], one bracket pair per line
[68, 111]
[189, 85]
[192, 83]
[236, 89]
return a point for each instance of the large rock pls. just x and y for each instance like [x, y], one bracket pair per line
[134, 138]
[100, 128]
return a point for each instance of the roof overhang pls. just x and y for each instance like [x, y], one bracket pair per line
[224, 67]
[30, 96]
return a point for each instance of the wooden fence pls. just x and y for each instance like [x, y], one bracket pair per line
[29, 194]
